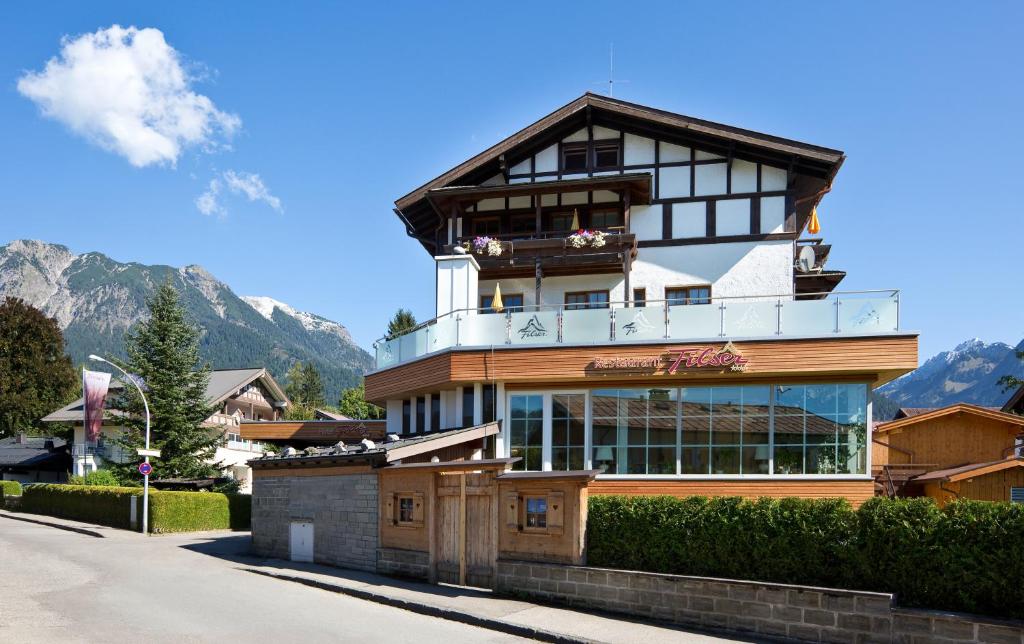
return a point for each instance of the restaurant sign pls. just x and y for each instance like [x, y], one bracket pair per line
[726, 357]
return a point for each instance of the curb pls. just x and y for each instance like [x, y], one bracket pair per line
[433, 611]
[59, 526]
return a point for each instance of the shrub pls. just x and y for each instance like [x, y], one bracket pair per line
[968, 556]
[99, 477]
[191, 511]
[9, 488]
[108, 506]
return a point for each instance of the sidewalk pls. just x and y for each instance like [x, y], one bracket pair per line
[481, 608]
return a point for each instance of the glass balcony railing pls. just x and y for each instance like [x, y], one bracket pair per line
[738, 318]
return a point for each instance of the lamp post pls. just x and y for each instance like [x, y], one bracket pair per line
[145, 487]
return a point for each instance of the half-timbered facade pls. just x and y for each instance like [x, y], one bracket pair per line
[628, 290]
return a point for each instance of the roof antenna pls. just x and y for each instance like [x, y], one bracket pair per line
[611, 72]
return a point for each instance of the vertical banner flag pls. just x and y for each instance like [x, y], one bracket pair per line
[94, 391]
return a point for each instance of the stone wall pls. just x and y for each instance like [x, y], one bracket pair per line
[769, 610]
[342, 508]
[403, 563]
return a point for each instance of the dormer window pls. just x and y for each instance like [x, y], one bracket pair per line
[606, 155]
[574, 158]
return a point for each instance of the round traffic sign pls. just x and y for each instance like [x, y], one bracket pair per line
[145, 469]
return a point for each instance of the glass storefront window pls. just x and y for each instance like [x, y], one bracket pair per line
[526, 430]
[820, 429]
[634, 430]
[726, 430]
[568, 431]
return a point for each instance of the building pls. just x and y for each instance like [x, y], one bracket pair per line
[1015, 404]
[238, 394]
[34, 459]
[660, 318]
[959, 451]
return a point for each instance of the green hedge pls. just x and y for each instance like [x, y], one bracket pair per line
[168, 511]
[9, 488]
[108, 506]
[192, 511]
[968, 556]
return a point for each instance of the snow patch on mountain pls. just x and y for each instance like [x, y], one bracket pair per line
[310, 321]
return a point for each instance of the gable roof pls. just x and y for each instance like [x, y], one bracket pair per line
[381, 453]
[959, 408]
[32, 451]
[972, 470]
[223, 384]
[1016, 401]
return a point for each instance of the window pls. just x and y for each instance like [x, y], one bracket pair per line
[421, 410]
[405, 509]
[526, 430]
[512, 302]
[486, 226]
[725, 430]
[634, 431]
[1017, 495]
[467, 406]
[559, 222]
[574, 157]
[688, 295]
[536, 512]
[605, 218]
[567, 431]
[640, 297]
[820, 429]
[489, 394]
[406, 416]
[435, 412]
[606, 155]
[524, 225]
[586, 300]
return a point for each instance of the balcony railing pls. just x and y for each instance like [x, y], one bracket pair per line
[729, 318]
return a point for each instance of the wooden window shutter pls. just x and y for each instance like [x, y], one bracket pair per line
[389, 508]
[512, 511]
[417, 508]
[556, 512]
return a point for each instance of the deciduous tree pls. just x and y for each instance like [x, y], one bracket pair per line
[353, 404]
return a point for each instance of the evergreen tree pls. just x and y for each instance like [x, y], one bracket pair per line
[312, 386]
[36, 377]
[401, 322]
[305, 391]
[353, 404]
[163, 352]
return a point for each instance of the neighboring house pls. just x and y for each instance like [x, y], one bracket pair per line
[32, 459]
[325, 414]
[238, 394]
[959, 451]
[1015, 405]
[688, 342]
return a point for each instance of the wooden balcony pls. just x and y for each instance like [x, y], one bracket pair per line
[555, 255]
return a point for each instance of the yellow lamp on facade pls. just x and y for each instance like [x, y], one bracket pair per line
[814, 226]
[496, 304]
[575, 221]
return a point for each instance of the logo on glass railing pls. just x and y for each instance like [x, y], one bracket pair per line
[727, 357]
[867, 315]
[532, 329]
[639, 323]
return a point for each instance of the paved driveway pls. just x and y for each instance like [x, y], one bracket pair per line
[60, 586]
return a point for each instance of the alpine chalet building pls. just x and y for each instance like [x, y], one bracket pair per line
[628, 290]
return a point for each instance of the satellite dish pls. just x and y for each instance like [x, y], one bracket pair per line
[805, 260]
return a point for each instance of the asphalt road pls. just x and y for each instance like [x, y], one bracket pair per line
[63, 586]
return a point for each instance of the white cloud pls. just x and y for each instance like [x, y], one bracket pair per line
[244, 183]
[125, 89]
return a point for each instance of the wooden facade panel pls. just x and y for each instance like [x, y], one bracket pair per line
[395, 483]
[877, 359]
[992, 487]
[563, 539]
[855, 491]
[947, 441]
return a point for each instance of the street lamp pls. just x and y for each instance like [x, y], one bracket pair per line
[145, 487]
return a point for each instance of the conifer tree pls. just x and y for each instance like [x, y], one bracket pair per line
[402, 321]
[163, 351]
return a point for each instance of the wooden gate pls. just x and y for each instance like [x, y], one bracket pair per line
[466, 528]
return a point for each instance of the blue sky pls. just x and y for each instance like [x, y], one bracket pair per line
[340, 110]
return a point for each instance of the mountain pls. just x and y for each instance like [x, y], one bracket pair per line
[96, 299]
[969, 373]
